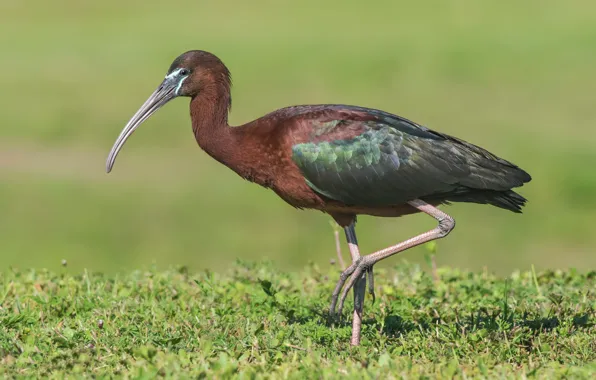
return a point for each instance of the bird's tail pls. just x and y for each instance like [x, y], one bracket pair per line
[508, 200]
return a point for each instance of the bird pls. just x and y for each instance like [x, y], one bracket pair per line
[342, 160]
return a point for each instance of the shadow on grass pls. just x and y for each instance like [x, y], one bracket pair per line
[395, 326]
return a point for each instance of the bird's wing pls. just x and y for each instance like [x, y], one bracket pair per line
[368, 157]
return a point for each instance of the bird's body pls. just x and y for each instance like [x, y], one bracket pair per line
[347, 160]
[340, 159]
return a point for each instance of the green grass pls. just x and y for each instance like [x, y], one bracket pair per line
[256, 321]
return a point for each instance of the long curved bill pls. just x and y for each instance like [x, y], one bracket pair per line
[164, 93]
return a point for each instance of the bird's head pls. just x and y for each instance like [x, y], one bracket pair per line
[189, 74]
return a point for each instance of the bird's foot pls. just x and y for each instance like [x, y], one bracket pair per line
[351, 275]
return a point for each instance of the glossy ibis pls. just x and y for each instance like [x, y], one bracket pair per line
[339, 159]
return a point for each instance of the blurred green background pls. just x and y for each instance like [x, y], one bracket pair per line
[517, 78]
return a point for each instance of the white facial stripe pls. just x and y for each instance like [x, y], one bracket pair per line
[179, 85]
[173, 74]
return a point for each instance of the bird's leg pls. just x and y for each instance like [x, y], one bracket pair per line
[352, 242]
[359, 292]
[363, 264]
[355, 253]
[359, 287]
[371, 284]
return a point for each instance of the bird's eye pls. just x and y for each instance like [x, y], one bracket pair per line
[184, 72]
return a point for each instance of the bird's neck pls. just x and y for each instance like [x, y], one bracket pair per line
[231, 146]
[209, 115]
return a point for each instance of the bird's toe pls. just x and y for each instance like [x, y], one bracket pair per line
[357, 272]
[338, 287]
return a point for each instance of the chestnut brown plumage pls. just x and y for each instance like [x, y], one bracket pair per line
[342, 160]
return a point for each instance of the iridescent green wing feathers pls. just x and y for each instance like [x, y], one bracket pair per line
[382, 160]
